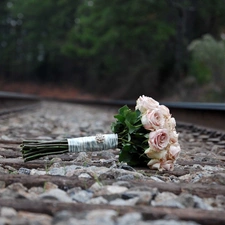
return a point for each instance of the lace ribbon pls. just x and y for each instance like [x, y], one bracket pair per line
[93, 143]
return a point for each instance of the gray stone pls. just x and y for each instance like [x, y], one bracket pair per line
[126, 167]
[72, 170]
[144, 197]
[121, 172]
[110, 192]
[110, 189]
[5, 221]
[57, 171]
[164, 196]
[168, 222]
[2, 184]
[122, 183]
[126, 177]
[119, 201]
[56, 194]
[97, 200]
[23, 170]
[156, 179]
[17, 187]
[72, 221]
[173, 203]
[96, 187]
[24, 217]
[36, 190]
[193, 201]
[14, 191]
[62, 217]
[107, 154]
[10, 194]
[8, 212]
[81, 196]
[102, 217]
[3, 170]
[82, 157]
[167, 199]
[10, 169]
[129, 218]
[49, 185]
[84, 176]
[37, 172]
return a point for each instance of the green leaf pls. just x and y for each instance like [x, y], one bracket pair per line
[124, 110]
[132, 117]
[124, 156]
[120, 117]
[117, 127]
[131, 128]
[126, 147]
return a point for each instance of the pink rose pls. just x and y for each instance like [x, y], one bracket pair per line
[153, 119]
[152, 154]
[174, 151]
[167, 165]
[165, 111]
[159, 139]
[144, 103]
[173, 137]
[170, 123]
[161, 164]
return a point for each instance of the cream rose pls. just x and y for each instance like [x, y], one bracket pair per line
[165, 111]
[161, 164]
[159, 139]
[174, 151]
[152, 154]
[153, 119]
[173, 137]
[170, 123]
[145, 103]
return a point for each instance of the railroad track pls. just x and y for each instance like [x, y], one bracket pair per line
[198, 179]
[208, 115]
[14, 102]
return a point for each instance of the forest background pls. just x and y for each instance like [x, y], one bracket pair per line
[167, 49]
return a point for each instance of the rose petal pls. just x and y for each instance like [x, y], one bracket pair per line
[161, 164]
[144, 103]
[153, 119]
[159, 139]
[152, 154]
[174, 150]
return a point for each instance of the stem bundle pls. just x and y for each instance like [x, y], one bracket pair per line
[34, 149]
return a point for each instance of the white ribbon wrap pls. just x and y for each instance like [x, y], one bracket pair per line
[93, 143]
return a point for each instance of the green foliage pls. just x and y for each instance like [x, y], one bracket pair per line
[208, 59]
[200, 71]
[38, 32]
[98, 43]
[131, 136]
[116, 39]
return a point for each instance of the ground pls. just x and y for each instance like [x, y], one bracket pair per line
[45, 90]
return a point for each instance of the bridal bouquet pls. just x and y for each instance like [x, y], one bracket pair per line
[145, 136]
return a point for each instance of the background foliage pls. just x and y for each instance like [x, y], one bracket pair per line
[117, 48]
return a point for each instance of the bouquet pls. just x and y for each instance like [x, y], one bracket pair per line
[145, 136]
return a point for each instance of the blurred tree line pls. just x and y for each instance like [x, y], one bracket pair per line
[119, 48]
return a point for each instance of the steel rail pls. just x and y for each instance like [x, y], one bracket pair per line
[11, 102]
[209, 115]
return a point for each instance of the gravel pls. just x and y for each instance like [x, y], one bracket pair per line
[200, 163]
